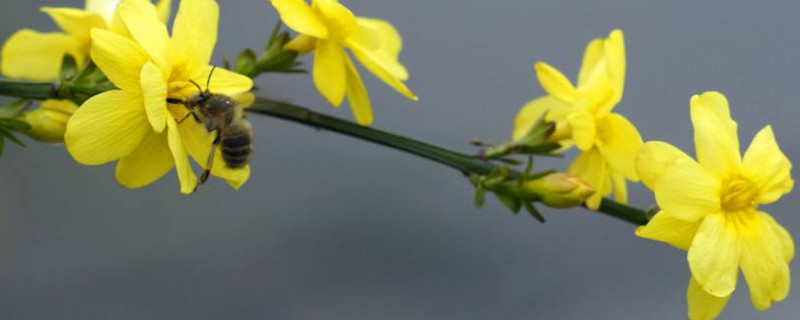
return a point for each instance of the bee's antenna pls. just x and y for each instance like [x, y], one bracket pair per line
[208, 81]
[196, 85]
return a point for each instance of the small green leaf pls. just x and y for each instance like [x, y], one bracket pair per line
[534, 212]
[14, 125]
[541, 174]
[497, 176]
[2, 143]
[539, 132]
[246, 62]
[480, 197]
[12, 137]
[510, 202]
[510, 161]
[544, 149]
[13, 109]
[69, 67]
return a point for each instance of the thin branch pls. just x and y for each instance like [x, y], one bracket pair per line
[466, 164]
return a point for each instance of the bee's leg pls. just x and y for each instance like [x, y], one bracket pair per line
[209, 162]
[175, 101]
[191, 113]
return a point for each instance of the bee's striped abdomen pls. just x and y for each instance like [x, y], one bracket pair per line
[237, 145]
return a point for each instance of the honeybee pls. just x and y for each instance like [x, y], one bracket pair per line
[222, 114]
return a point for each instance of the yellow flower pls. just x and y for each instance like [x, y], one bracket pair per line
[327, 28]
[134, 124]
[608, 141]
[710, 208]
[33, 55]
[49, 122]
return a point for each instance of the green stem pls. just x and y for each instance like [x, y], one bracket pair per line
[467, 164]
[27, 90]
[459, 161]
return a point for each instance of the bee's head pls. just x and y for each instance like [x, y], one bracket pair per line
[199, 98]
[203, 95]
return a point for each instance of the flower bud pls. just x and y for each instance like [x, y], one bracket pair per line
[49, 122]
[561, 132]
[559, 190]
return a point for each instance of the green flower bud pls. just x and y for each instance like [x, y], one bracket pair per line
[49, 122]
[559, 190]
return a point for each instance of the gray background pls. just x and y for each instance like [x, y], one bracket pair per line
[334, 228]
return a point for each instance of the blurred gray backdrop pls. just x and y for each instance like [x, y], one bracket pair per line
[334, 228]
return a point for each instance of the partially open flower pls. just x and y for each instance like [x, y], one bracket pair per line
[49, 121]
[559, 190]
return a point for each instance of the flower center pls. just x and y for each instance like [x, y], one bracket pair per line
[738, 194]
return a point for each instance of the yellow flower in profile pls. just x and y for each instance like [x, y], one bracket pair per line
[33, 55]
[134, 125]
[710, 208]
[327, 28]
[608, 141]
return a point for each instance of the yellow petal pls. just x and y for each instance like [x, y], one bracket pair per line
[377, 63]
[104, 8]
[297, 14]
[164, 8]
[106, 127]
[714, 256]
[763, 263]
[554, 82]
[583, 129]
[154, 89]
[766, 165]
[198, 141]
[75, 22]
[329, 71]
[785, 239]
[667, 228]
[688, 191]
[615, 61]
[389, 44]
[701, 305]
[302, 44]
[555, 108]
[591, 167]
[186, 177]
[246, 100]
[224, 81]
[654, 158]
[37, 56]
[620, 188]
[715, 133]
[194, 35]
[340, 20]
[357, 95]
[143, 23]
[118, 26]
[594, 62]
[150, 161]
[120, 59]
[619, 142]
